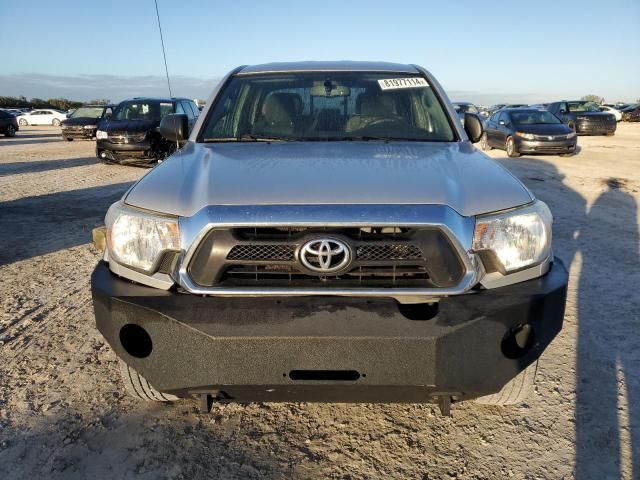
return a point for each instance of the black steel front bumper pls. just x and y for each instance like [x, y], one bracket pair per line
[330, 349]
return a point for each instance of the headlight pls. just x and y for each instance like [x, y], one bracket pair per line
[89, 127]
[137, 239]
[516, 239]
[101, 135]
[528, 136]
[571, 135]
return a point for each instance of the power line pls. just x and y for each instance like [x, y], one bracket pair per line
[166, 70]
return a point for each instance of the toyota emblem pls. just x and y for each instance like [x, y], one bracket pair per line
[325, 255]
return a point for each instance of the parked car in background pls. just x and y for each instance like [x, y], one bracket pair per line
[329, 233]
[629, 107]
[131, 134]
[584, 117]
[83, 122]
[8, 124]
[631, 115]
[13, 111]
[464, 107]
[42, 117]
[527, 130]
[613, 111]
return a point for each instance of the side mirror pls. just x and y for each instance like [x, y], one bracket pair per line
[473, 127]
[107, 116]
[562, 111]
[175, 127]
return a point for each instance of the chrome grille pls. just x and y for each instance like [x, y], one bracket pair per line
[382, 257]
[124, 137]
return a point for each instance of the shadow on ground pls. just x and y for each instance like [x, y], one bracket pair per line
[34, 226]
[608, 345]
[16, 168]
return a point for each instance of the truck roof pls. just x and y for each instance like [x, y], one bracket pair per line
[328, 66]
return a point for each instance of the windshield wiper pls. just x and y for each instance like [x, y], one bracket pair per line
[245, 138]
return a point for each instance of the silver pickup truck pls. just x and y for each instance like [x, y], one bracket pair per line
[328, 232]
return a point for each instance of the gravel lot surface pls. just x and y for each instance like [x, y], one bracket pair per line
[63, 413]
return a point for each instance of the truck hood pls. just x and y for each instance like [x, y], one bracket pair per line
[305, 173]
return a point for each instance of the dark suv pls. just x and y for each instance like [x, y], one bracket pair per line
[131, 134]
[584, 117]
[8, 124]
[82, 123]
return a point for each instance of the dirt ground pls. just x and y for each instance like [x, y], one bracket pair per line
[63, 413]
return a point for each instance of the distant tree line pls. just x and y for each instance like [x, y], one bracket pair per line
[57, 103]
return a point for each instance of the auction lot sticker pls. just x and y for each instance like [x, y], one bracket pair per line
[395, 83]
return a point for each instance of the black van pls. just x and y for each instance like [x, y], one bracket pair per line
[131, 134]
[82, 123]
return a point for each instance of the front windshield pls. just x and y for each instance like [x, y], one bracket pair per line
[465, 108]
[327, 106]
[88, 112]
[584, 107]
[143, 110]
[534, 117]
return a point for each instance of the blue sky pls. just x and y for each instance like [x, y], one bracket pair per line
[480, 51]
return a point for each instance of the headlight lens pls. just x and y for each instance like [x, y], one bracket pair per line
[101, 135]
[518, 238]
[88, 127]
[528, 136]
[137, 239]
[571, 135]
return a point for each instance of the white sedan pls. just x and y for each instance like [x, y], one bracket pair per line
[42, 117]
[616, 113]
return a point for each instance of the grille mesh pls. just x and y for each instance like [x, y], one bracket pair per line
[389, 252]
[261, 252]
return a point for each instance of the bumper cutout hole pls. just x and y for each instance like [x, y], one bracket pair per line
[418, 311]
[325, 375]
[136, 341]
[518, 341]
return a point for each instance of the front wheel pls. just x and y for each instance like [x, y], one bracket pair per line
[10, 131]
[138, 387]
[55, 122]
[68, 139]
[511, 149]
[23, 122]
[514, 392]
[484, 142]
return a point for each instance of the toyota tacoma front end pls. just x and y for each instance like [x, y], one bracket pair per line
[328, 232]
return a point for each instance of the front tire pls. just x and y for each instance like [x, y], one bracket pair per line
[484, 143]
[10, 131]
[138, 387]
[510, 147]
[55, 122]
[516, 391]
[22, 122]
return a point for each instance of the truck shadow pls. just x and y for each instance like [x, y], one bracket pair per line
[34, 226]
[136, 445]
[606, 240]
[16, 168]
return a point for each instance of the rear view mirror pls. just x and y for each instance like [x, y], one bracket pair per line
[175, 127]
[473, 127]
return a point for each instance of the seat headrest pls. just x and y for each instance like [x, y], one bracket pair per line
[280, 108]
[372, 105]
